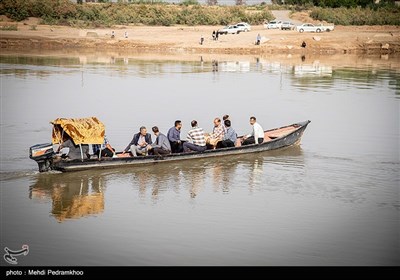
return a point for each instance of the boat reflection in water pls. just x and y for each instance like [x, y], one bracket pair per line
[221, 174]
[72, 196]
[76, 195]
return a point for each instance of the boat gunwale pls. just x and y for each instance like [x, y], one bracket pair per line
[114, 162]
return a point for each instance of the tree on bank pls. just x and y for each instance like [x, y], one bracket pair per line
[334, 3]
[189, 2]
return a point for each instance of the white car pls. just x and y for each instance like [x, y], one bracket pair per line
[327, 28]
[230, 29]
[244, 26]
[273, 24]
[287, 25]
[309, 27]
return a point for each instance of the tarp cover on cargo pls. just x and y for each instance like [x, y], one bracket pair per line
[82, 131]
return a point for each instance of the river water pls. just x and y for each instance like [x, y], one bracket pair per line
[333, 200]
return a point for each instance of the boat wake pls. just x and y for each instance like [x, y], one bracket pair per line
[13, 175]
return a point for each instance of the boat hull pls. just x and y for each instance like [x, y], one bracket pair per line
[289, 139]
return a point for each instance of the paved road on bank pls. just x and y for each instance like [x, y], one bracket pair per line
[284, 16]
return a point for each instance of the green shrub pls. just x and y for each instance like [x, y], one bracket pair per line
[189, 2]
[21, 9]
[15, 9]
[67, 13]
[358, 16]
[11, 27]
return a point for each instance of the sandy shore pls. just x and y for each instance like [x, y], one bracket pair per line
[184, 39]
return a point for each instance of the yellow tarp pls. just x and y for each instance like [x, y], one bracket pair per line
[82, 131]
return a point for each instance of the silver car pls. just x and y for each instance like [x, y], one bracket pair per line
[273, 24]
[309, 27]
[244, 26]
[230, 29]
[287, 25]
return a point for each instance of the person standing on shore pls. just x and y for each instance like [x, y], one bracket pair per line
[201, 40]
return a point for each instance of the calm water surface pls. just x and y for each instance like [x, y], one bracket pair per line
[334, 200]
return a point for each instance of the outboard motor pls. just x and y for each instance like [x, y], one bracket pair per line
[43, 155]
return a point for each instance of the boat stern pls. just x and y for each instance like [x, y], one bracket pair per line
[43, 155]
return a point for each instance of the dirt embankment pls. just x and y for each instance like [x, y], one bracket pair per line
[185, 39]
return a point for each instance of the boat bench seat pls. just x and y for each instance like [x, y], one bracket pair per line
[266, 138]
[278, 133]
[126, 155]
[238, 142]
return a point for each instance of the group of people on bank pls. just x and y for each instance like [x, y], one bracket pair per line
[222, 136]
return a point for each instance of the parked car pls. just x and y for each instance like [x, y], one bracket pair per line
[309, 27]
[244, 26]
[230, 29]
[273, 24]
[287, 25]
[327, 28]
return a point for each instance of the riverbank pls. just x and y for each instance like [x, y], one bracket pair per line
[186, 39]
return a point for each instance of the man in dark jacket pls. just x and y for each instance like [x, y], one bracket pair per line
[139, 143]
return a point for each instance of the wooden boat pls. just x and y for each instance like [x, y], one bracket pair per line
[276, 138]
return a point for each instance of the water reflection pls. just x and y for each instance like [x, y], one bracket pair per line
[192, 177]
[76, 195]
[72, 196]
[314, 69]
[305, 72]
[223, 175]
[301, 65]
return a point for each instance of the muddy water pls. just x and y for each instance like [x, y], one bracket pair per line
[334, 200]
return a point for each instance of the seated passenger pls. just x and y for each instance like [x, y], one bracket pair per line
[217, 134]
[230, 136]
[105, 149]
[139, 143]
[196, 141]
[161, 146]
[174, 137]
[256, 136]
[74, 150]
[224, 118]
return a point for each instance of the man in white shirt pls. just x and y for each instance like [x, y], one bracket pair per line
[256, 136]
